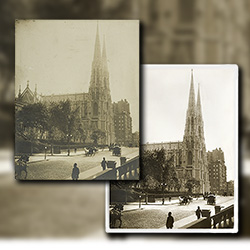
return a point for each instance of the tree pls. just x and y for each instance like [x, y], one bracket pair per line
[65, 117]
[80, 133]
[156, 166]
[32, 122]
[191, 184]
[97, 135]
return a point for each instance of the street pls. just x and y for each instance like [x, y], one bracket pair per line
[59, 167]
[154, 215]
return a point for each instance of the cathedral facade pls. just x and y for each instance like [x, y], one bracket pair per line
[190, 156]
[96, 110]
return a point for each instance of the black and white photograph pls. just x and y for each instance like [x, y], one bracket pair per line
[189, 154]
[77, 100]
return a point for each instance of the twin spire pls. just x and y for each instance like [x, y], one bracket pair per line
[191, 102]
[99, 72]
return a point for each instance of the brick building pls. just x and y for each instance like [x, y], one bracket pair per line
[217, 171]
[122, 123]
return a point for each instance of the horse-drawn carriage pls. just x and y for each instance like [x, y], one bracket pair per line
[115, 213]
[185, 200]
[21, 166]
[90, 151]
[116, 151]
[211, 199]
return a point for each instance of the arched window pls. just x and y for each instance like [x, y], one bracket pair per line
[190, 158]
[95, 109]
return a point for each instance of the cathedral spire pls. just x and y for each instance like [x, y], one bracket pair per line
[104, 58]
[190, 127]
[191, 102]
[104, 55]
[198, 105]
[97, 51]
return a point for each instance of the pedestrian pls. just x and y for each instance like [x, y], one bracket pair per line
[75, 172]
[170, 221]
[169, 198]
[198, 212]
[75, 150]
[103, 164]
[163, 200]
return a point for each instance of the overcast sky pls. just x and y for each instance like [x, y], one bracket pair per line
[57, 56]
[165, 102]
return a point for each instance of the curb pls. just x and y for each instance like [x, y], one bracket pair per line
[38, 161]
[134, 209]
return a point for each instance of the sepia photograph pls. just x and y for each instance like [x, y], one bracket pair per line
[189, 155]
[77, 100]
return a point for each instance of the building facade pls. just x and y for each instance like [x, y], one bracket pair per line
[122, 123]
[217, 171]
[190, 156]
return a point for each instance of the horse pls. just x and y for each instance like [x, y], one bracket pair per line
[90, 152]
[21, 165]
[184, 200]
[116, 214]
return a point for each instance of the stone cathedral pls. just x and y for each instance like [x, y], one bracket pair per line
[190, 156]
[95, 107]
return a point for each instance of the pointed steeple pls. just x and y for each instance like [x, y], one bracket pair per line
[104, 58]
[104, 55]
[97, 51]
[190, 127]
[28, 84]
[198, 106]
[191, 102]
[96, 64]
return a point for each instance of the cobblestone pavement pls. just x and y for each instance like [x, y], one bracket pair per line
[59, 167]
[154, 215]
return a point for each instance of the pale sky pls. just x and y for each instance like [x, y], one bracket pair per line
[57, 56]
[165, 102]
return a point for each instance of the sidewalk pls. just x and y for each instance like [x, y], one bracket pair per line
[98, 169]
[41, 156]
[135, 205]
[191, 218]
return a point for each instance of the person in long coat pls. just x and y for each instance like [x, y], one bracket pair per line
[103, 164]
[75, 172]
[170, 221]
[198, 212]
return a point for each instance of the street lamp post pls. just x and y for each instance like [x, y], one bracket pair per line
[139, 201]
[45, 148]
[163, 185]
[68, 137]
